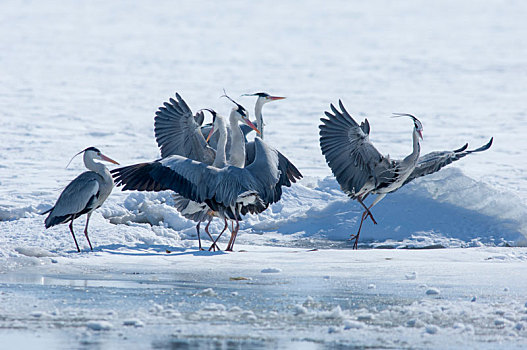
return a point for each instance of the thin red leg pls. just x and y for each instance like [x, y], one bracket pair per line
[233, 236]
[359, 199]
[86, 230]
[216, 240]
[356, 237]
[213, 246]
[199, 238]
[73, 234]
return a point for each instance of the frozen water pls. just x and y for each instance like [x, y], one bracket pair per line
[93, 74]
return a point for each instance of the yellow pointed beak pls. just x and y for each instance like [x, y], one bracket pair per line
[108, 159]
[248, 122]
[210, 134]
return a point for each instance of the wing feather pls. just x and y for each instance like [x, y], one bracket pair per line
[78, 196]
[288, 171]
[351, 156]
[193, 180]
[434, 161]
[177, 132]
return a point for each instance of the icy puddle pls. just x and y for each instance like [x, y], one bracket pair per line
[268, 297]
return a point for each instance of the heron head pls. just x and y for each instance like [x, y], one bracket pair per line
[93, 153]
[417, 123]
[214, 122]
[241, 113]
[264, 97]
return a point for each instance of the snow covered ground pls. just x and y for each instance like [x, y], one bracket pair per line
[79, 74]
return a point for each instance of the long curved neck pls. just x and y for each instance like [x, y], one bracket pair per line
[259, 118]
[412, 158]
[237, 150]
[221, 160]
[99, 168]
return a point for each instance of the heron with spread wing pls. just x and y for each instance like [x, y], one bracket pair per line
[361, 169]
[175, 127]
[179, 132]
[230, 191]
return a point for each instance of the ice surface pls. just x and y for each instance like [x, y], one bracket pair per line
[93, 74]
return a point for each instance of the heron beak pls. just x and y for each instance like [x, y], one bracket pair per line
[108, 159]
[276, 98]
[420, 134]
[210, 134]
[248, 122]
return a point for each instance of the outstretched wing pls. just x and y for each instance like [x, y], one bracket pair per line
[177, 132]
[434, 161]
[349, 153]
[193, 180]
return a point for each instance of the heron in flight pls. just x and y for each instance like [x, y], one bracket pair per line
[361, 170]
[84, 194]
[179, 132]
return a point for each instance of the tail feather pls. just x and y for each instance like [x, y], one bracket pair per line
[56, 220]
[47, 211]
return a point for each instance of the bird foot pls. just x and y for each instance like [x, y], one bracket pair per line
[214, 247]
[371, 216]
[356, 243]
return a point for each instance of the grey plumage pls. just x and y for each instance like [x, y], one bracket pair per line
[288, 172]
[192, 176]
[361, 170]
[203, 183]
[177, 132]
[354, 160]
[229, 191]
[84, 194]
[79, 197]
[434, 161]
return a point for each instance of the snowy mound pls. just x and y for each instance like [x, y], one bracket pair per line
[447, 209]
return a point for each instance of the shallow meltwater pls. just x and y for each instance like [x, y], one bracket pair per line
[225, 310]
[173, 310]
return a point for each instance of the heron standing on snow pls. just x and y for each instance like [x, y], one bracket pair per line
[230, 190]
[176, 131]
[84, 194]
[359, 167]
[179, 132]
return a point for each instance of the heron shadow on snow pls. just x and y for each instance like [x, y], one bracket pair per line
[142, 249]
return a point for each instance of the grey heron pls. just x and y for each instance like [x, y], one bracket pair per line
[230, 191]
[171, 131]
[288, 172]
[263, 98]
[178, 132]
[84, 194]
[361, 170]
